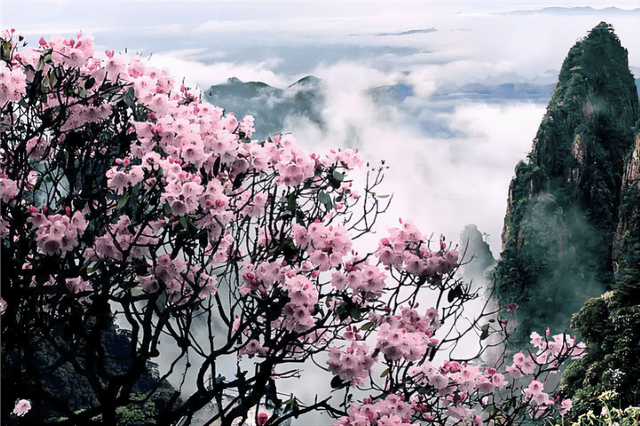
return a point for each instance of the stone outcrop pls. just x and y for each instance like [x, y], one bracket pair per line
[564, 201]
[629, 217]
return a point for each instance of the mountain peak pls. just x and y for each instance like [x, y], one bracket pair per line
[309, 80]
[563, 202]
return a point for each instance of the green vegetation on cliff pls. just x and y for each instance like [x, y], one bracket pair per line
[563, 202]
[610, 325]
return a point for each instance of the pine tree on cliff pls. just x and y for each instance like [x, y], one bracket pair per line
[563, 202]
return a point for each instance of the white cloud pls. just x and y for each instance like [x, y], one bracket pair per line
[443, 184]
[180, 65]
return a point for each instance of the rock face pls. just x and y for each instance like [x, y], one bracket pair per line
[629, 215]
[563, 202]
[610, 324]
[476, 255]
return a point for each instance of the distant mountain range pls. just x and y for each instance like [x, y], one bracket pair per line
[270, 106]
[586, 10]
[410, 32]
[274, 108]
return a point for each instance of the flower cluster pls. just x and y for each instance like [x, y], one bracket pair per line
[390, 411]
[303, 295]
[352, 366]
[326, 246]
[120, 239]
[181, 280]
[57, 233]
[405, 249]
[252, 348]
[8, 189]
[12, 84]
[261, 278]
[407, 335]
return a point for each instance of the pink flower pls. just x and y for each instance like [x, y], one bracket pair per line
[22, 407]
[534, 388]
[438, 381]
[8, 189]
[536, 340]
[528, 366]
[565, 406]
[579, 351]
[498, 380]
[78, 285]
[338, 280]
[518, 358]
[262, 419]
[148, 283]
[486, 386]
[117, 180]
[514, 371]
[252, 348]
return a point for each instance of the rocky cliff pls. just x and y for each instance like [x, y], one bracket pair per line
[564, 201]
[629, 214]
[610, 324]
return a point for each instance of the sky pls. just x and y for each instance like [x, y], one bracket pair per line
[440, 182]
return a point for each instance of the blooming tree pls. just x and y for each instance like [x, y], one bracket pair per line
[126, 199]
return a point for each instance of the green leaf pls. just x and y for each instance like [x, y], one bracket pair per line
[89, 83]
[130, 98]
[355, 313]
[291, 202]
[367, 326]
[40, 65]
[53, 79]
[122, 201]
[454, 293]
[336, 382]
[203, 239]
[237, 182]
[324, 199]
[6, 50]
[485, 332]
[338, 176]
[385, 373]
[307, 183]
[183, 222]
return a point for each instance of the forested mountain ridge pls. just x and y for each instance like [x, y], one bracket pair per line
[572, 219]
